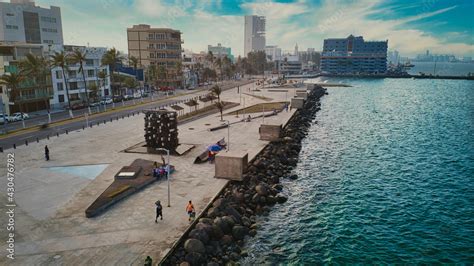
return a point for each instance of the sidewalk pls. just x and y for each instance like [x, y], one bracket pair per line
[51, 227]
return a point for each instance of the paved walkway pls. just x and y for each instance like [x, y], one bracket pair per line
[51, 227]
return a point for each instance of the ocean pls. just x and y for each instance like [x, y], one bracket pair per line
[442, 68]
[386, 175]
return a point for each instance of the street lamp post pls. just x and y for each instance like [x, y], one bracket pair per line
[167, 171]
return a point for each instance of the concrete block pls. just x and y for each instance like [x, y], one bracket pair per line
[270, 132]
[302, 94]
[231, 165]
[297, 102]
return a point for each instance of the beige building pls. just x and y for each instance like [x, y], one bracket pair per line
[160, 47]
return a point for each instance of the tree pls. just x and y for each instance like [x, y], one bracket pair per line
[220, 106]
[59, 59]
[12, 81]
[179, 71]
[210, 58]
[94, 89]
[216, 90]
[133, 62]
[162, 75]
[39, 71]
[218, 63]
[78, 57]
[111, 58]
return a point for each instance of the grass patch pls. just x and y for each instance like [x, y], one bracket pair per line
[206, 109]
[258, 108]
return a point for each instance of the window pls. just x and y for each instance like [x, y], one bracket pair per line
[10, 14]
[90, 73]
[59, 75]
[74, 96]
[48, 19]
[152, 55]
[89, 62]
[11, 27]
[106, 92]
[49, 30]
[60, 86]
[48, 41]
[151, 36]
[61, 98]
[73, 85]
[71, 74]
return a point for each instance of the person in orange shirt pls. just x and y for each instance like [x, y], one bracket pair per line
[190, 210]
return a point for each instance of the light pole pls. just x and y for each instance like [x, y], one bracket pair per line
[167, 171]
[228, 135]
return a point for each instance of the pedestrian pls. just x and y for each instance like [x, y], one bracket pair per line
[190, 210]
[148, 261]
[286, 107]
[159, 211]
[46, 152]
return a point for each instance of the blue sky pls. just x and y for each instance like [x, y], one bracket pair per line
[411, 27]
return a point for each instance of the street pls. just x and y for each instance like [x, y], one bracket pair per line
[64, 126]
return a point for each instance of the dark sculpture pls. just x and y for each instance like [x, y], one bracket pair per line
[161, 130]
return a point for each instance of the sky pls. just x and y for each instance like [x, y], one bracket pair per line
[411, 27]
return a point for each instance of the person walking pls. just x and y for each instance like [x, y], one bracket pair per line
[190, 210]
[159, 211]
[148, 261]
[46, 152]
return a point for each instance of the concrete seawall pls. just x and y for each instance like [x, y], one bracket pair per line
[217, 236]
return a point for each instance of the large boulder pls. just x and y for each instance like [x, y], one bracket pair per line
[227, 240]
[234, 213]
[199, 234]
[216, 232]
[262, 190]
[281, 199]
[225, 226]
[193, 245]
[194, 258]
[219, 203]
[239, 232]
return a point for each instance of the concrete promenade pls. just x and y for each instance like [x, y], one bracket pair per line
[51, 227]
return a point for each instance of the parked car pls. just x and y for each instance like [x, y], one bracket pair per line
[106, 101]
[77, 106]
[127, 97]
[94, 104]
[19, 116]
[117, 98]
[4, 117]
[137, 95]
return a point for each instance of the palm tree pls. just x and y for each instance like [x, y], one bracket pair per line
[220, 106]
[210, 58]
[101, 76]
[161, 74]
[38, 68]
[216, 90]
[133, 62]
[218, 63]
[111, 58]
[59, 59]
[179, 71]
[78, 57]
[12, 81]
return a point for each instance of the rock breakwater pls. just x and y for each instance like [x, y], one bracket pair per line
[218, 236]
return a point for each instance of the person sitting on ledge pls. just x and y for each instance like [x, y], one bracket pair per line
[249, 118]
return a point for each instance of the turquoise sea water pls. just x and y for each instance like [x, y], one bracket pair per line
[386, 175]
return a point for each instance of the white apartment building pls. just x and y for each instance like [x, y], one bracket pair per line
[22, 21]
[254, 34]
[75, 80]
[273, 52]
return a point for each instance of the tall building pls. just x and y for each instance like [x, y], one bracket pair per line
[157, 46]
[23, 21]
[221, 51]
[254, 34]
[354, 55]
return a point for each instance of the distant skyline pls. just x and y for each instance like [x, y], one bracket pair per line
[412, 27]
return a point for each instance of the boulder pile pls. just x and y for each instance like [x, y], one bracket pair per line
[218, 236]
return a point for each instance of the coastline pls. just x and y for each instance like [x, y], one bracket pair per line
[217, 236]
